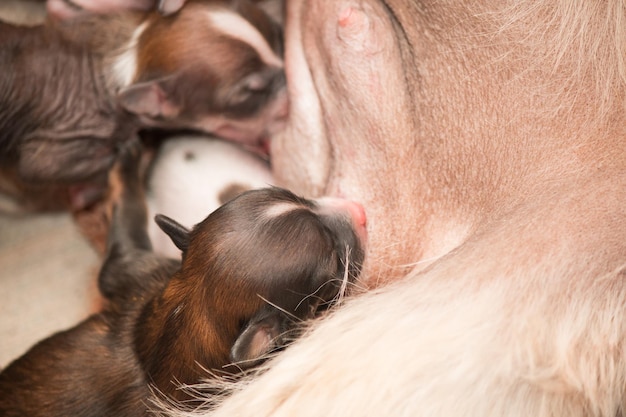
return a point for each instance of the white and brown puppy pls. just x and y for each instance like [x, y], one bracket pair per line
[192, 175]
[251, 272]
[233, 87]
[74, 89]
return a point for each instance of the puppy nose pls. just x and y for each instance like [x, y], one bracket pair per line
[281, 104]
[354, 209]
[357, 212]
[359, 218]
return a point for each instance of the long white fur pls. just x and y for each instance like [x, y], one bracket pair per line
[442, 350]
[187, 190]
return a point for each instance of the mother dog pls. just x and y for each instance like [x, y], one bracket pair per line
[486, 141]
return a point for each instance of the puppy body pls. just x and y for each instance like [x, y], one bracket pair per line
[57, 117]
[192, 176]
[92, 369]
[250, 272]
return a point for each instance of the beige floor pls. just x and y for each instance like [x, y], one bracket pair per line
[47, 279]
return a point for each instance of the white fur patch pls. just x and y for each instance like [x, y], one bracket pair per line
[187, 177]
[235, 26]
[279, 209]
[125, 64]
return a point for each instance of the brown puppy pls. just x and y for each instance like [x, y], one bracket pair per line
[73, 89]
[251, 272]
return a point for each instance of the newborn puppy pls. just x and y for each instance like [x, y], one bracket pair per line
[251, 272]
[192, 175]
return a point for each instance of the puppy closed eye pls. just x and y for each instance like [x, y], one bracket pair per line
[249, 95]
[256, 83]
[253, 85]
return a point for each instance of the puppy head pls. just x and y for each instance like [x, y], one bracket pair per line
[268, 259]
[213, 66]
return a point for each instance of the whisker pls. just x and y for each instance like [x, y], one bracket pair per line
[296, 318]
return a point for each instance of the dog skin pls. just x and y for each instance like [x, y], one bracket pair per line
[251, 272]
[73, 89]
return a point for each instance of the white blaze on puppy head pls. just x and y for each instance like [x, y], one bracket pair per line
[235, 26]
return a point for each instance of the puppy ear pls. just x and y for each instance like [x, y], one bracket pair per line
[258, 338]
[176, 231]
[150, 99]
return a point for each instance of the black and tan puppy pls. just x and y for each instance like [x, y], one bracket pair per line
[251, 271]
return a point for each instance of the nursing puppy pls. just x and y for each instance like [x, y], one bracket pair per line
[73, 89]
[251, 272]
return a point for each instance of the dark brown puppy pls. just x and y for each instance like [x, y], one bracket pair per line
[71, 90]
[250, 273]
